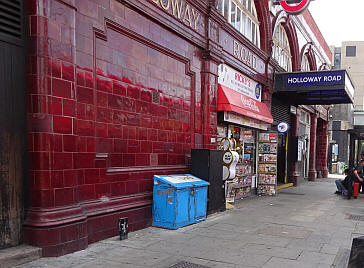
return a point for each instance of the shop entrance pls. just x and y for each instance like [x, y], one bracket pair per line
[282, 159]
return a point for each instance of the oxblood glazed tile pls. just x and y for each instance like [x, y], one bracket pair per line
[101, 130]
[55, 106]
[128, 160]
[63, 197]
[85, 95]
[114, 131]
[120, 146]
[69, 143]
[55, 67]
[118, 188]
[103, 145]
[142, 134]
[90, 112]
[62, 124]
[42, 179]
[133, 92]
[91, 144]
[118, 89]
[41, 141]
[80, 78]
[39, 160]
[70, 178]
[81, 144]
[87, 192]
[102, 189]
[104, 84]
[84, 160]
[92, 176]
[132, 187]
[133, 146]
[116, 160]
[61, 88]
[68, 71]
[104, 115]
[142, 159]
[85, 128]
[81, 111]
[63, 161]
[69, 107]
[42, 198]
[102, 99]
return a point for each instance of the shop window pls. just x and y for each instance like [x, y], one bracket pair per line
[305, 65]
[351, 51]
[243, 16]
[281, 51]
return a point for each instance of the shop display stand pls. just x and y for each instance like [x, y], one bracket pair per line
[267, 164]
[243, 182]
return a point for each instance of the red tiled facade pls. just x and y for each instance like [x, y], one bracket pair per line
[118, 91]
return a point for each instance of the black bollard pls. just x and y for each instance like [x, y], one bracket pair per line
[123, 228]
[356, 259]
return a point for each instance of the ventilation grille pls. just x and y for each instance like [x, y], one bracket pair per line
[281, 111]
[355, 217]
[185, 264]
[11, 18]
[156, 97]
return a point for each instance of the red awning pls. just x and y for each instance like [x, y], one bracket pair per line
[231, 100]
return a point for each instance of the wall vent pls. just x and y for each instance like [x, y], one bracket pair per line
[156, 97]
[11, 18]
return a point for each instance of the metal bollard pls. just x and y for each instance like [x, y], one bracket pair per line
[356, 259]
[123, 228]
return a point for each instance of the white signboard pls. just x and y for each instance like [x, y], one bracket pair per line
[234, 80]
[243, 120]
[300, 147]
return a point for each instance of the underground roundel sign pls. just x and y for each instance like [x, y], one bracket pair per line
[282, 127]
[294, 6]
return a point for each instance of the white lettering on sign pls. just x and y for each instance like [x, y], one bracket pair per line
[332, 78]
[238, 82]
[314, 79]
[181, 10]
[294, 80]
[250, 104]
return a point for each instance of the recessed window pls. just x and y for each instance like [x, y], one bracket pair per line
[281, 51]
[243, 16]
[351, 51]
[305, 65]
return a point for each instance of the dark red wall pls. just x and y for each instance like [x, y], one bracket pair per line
[120, 90]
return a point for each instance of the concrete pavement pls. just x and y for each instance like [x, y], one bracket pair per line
[306, 226]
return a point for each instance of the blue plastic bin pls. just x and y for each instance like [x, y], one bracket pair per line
[178, 200]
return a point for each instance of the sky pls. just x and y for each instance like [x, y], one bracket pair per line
[339, 20]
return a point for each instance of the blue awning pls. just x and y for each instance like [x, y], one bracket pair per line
[315, 88]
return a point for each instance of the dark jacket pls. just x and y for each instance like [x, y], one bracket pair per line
[347, 181]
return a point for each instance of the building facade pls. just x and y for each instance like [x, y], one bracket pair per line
[347, 119]
[120, 90]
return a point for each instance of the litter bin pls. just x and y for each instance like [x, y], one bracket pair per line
[178, 200]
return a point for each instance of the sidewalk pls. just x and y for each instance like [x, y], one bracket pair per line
[305, 226]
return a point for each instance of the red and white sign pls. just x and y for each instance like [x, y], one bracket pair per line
[231, 100]
[235, 80]
[293, 6]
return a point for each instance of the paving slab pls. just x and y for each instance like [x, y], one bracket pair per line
[302, 227]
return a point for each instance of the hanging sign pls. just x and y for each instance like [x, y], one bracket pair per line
[293, 6]
[282, 127]
[239, 82]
